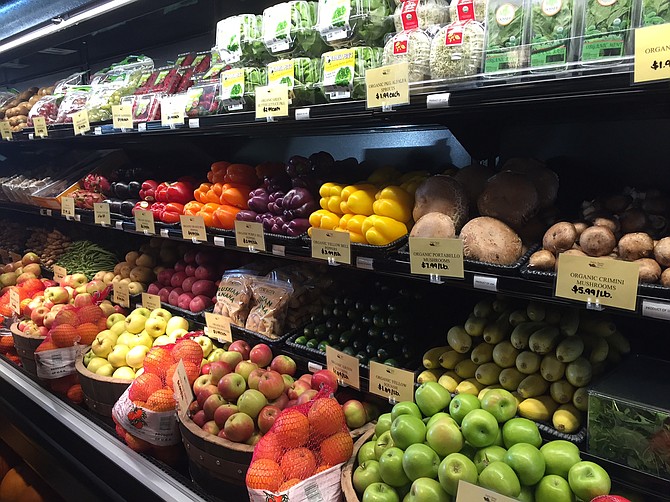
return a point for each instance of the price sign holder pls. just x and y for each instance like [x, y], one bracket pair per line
[151, 302]
[250, 235]
[15, 301]
[122, 294]
[122, 117]
[182, 389]
[40, 125]
[67, 207]
[652, 55]
[346, 367]
[59, 273]
[391, 383]
[144, 222]
[387, 86]
[598, 282]
[271, 102]
[467, 492]
[80, 122]
[218, 327]
[436, 258]
[193, 228]
[6, 131]
[101, 214]
[332, 246]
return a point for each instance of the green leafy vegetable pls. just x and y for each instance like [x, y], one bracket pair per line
[236, 91]
[504, 36]
[343, 77]
[546, 28]
[607, 19]
[655, 12]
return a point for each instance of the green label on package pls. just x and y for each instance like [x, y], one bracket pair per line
[548, 54]
[277, 27]
[338, 69]
[282, 72]
[499, 61]
[602, 48]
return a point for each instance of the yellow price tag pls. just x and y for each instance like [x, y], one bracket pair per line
[67, 206]
[80, 122]
[331, 245]
[40, 125]
[122, 116]
[271, 101]
[6, 130]
[387, 85]
[344, 366]
[652, 53]
[443, 257]
[391, 383]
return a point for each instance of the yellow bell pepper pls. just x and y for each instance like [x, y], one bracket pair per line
[358, 199]
[411, 184]
[382, 230]
[384, 175]
[324, 219]
[353, 223]
[413, 174]
[395, 203]
[331, 197]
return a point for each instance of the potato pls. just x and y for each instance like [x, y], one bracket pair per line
[617, 203]
[441, 194]
[560, 237]
[580, 226]
[635, 246]
[135, 288]
[597, 241]
[434, 225]
[21, 119]
[662, 252]
[141, 274]
[665, 278]
[490, 240]
[542, 260]
[24, 108]
[509, 197]
[650, 271]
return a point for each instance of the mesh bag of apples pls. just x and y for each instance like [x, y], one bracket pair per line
[145, 415]
[301, 457]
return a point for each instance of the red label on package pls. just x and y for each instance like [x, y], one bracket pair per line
[465, 10]
[454, 34]
[400, 44]
[408, 16]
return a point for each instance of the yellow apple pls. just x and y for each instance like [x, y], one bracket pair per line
[96, 363]
[117, 357]
[115, 318]
[124, 338]
[144, 312]
[142, 338]
[135, 323]
[155, 326]
[124, 373]
[135, 356]
[118, 327]
[165, 314]
[105, 370]
[108, 334]
[102, 347]
[176, 323]
[162, 340]
[177, 334]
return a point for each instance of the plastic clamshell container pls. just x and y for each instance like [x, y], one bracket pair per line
[343, 71]
[146, 107]
[289, 29]
[552, 26]
[235, 36]
[606, 30]
[238, 88]
[412, 47]
[457, 50]
[301, 75]
[74, 101]
[629, 416]
[468, 10]
[202, 99]
[650, 14]
[343, 23]
[426, 15]
[506, 36]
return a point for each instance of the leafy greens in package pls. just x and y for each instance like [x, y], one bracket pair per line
[301, 75]
[423, 14]
[343, 71]
[606, 28]
[238, 87]
[289, 28]
[505, 35]
[240, 39]
[655, 12]
[412, 47]
[457, 50]
[344, 23]
[551, 26]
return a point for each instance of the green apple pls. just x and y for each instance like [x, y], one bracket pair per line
[444, 436]
[96, 363]
[135, 356]
[560, 456]
[500, 403]
[405, 408]
[143, 311]
[420, 461]
[366, 474]
[452, 469]
[215, 354]
[141, 338]
[588, 480]
[527, 462]
[135, 323]
[461, 405]
[88, 356]
[383, 424]
[479, 428]
[487, 455]
[383, 442]
[436, 418]
[165, 314]
[527, 494]
[114, 319]
[499, 477]
[117, 357]
[431, 398]
[426, 490]
[390, 467]
[161, 340]
[407, 430]
[175, 323]
[521, 430]
[251, 402]
[380, 492]
[124, 373]
[155, 326]
[118, 327]
[366, 452]
[553, 488]
[105, 370]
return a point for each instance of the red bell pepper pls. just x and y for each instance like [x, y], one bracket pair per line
[180, 192]
[144, 205]
[241, 174]
[148, 190]
[157, 209]
[171, 212]
[160, 194]
[217, 172]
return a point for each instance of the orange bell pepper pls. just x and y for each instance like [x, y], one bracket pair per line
[201, 192]
[241, 174]
[207, 213]
[193, 208]
[217, 172]
[225, 216]
[235, 195]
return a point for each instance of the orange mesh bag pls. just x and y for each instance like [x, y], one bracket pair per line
[301, 457]
[145, 415]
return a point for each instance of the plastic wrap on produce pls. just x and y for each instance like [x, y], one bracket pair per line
[289, 28]
[238, 87]
[412, 47]
[343, 23]
[426, 15]
[301, 75]
[343, 71]
[74, 101]
[457, 50]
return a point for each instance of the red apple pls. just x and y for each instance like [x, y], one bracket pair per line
[222, 434]
[255, 377]
[261, 354]
[239, 427]
[211, 428]
[83, 299]
[211, 404]
[245, 368]
[242, 347]
[223, 413]
[280, 402]
[231, 386]
[193, 408]
[288, 382]
[307, 396]
[297, 389]
[271, 384]
[324, 377]
[204, 369]
[354, 414]
[267, 417]
[217, 370]
[38, 314]
[307, 377]
[200, 383]
[199, 418]
[205, 392]
[284, 365]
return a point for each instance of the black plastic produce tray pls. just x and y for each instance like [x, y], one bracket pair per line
[537, 275]
[283, 240]
[480, 266]
[187, 314]
[548, 432]
[368, 250]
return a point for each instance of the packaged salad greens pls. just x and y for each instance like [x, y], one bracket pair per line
[343, 71]
[412, 47]
[607, 25]
[457, 50]
[301, 75]
[467, 10]
[289, 28]
[238, 88]
[239, 39]
[551, 28]
[505, 35]
[655, 12]
[423, 14]
[343, 23]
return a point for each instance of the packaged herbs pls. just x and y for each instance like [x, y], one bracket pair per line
[240, 39]
[301, 75]
[422, 14]
[467, 10]
[505, 35]
[551, 28]
[344, 23]
[289, 28]
[655, 12]
[606, 26]
[343, 71]
[457, 50]
[414, 48]
[238, 87]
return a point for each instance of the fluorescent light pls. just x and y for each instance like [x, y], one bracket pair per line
[53, 28]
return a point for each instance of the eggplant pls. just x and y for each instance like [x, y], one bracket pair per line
[121, 190]
[114, 205]
[134, 189]
[126, 207]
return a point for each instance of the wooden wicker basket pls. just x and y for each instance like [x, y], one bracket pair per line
[100, 392]
[348, 469]
[25, 347]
